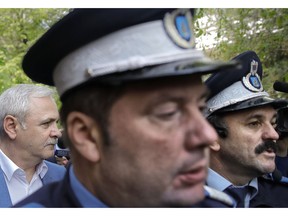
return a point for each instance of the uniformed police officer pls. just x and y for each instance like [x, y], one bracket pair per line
[282, 144]
[132, 101]
[244, 116]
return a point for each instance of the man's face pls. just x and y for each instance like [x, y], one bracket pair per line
[249, 149]
[158, 140]
[38, 137]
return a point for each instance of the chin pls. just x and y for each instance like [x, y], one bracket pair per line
[48, 154]
[268, 169]
[186, 197]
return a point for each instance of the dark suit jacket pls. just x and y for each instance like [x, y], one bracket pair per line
[55, 173]
[282, 165]
[60, 194]
[270, 194]
[55, 195]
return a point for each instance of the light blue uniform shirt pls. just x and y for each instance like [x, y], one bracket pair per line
[218, 182]
[87, 199]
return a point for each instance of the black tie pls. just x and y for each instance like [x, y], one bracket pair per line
[238, 193]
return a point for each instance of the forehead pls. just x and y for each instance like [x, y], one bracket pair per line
[185, 89]
[44, 99]
[42, 104]
[262, 111]
[169, 82]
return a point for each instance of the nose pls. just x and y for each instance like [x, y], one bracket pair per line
[200, 132]
[270, 133]
[56, 132]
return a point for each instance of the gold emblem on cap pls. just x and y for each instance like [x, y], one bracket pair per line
[185, 28]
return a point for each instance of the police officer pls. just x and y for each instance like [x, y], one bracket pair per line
[244, 117]
[132, 101]
[282, 144]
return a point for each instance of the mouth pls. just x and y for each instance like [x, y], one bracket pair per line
[50, 144]
[267, 147]
[269, 152]
[194, 175]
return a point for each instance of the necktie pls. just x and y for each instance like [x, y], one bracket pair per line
[238, 193]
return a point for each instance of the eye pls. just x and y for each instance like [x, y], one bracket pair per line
[166, 111]
[167, 115]
[202, 104]
[202, 108]
[255, 124]
[46, 124]
[275, 122]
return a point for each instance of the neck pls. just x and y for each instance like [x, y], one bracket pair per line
[232, 174]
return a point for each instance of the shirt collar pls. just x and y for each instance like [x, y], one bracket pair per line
[254, 183]
[41, 169]
[218, 182]
[9, 167]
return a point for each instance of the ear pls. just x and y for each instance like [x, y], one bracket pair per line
[215, 146]
[10, 126]
[85, 135]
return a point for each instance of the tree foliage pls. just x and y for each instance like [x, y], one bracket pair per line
[264, 31]
[19, 29]
[234, 31]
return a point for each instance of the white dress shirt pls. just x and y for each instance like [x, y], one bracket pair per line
[15, 178]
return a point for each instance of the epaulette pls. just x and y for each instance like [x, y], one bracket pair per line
[219, 196]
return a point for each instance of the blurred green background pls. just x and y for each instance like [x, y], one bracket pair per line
[221, 33]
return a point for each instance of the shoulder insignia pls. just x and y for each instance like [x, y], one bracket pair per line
[219, 196]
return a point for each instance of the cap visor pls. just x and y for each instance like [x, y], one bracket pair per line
[256, 102]
[180, 68]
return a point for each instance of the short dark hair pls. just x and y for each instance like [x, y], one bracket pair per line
[217, 121]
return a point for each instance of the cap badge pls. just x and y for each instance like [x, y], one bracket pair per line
[252, 80]
[179, 26]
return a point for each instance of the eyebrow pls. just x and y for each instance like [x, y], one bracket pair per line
[260, 116]
[49, 120]
[162, 98]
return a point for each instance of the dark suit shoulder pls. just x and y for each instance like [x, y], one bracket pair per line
[270, 194]
[272, 184]
[55, 166]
